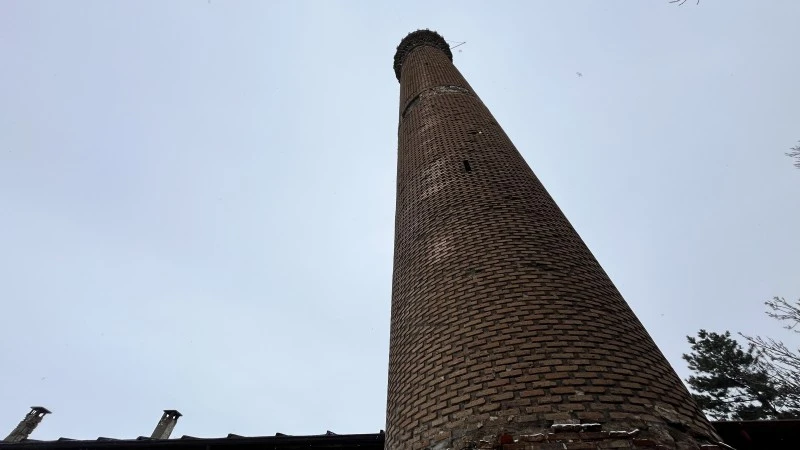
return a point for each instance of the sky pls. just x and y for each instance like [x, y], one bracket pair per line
[197, 197]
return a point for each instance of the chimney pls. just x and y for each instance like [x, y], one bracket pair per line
[506, 333]
[27, 425]
[166, 424]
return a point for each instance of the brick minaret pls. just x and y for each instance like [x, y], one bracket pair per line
[504, 326]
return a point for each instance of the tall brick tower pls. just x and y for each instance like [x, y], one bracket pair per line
[506, 333]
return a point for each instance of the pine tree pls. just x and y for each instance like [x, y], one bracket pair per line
[732, 383]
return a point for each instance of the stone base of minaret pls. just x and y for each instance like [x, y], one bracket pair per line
[572, 435]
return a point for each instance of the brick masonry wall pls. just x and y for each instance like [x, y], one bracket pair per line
[503, 323]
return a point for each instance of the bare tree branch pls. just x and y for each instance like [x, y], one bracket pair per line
[795, 153]
[785, 311]
[781, 363]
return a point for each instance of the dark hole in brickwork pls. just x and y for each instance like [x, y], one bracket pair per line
[467, 166]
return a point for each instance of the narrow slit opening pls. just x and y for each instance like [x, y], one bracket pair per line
[467, 167]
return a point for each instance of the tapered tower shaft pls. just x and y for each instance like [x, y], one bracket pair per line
[503, 323]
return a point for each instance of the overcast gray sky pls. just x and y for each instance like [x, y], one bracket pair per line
[197, 197]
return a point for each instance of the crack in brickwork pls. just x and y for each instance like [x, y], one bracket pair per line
[502, 319]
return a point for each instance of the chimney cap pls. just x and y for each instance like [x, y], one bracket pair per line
[41, 409]
[416, 39]
[173, 412]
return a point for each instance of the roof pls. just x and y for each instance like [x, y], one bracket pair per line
[280, 441]
[760, 434]
[741, 435]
